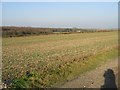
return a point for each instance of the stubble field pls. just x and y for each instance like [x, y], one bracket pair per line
[48, 60]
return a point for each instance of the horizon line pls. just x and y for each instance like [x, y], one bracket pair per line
[53, 27]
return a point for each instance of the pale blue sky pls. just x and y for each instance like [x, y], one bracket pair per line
[60, 0]
[61, 14]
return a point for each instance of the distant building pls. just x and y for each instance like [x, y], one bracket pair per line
[78, 31]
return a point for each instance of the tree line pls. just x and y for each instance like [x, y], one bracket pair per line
[13, 31]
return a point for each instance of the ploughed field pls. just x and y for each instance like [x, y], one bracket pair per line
[48, 60]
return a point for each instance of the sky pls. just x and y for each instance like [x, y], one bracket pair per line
[61, 14]
[60, 0]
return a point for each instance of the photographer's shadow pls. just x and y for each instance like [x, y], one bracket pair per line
[109, 81]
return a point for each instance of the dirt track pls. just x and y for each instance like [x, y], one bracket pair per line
[97, 77]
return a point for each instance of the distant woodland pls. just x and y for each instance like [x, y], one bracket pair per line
[13, 31]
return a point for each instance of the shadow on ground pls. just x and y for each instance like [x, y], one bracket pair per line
[109, 81]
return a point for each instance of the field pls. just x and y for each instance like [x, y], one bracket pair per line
[49, 60]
